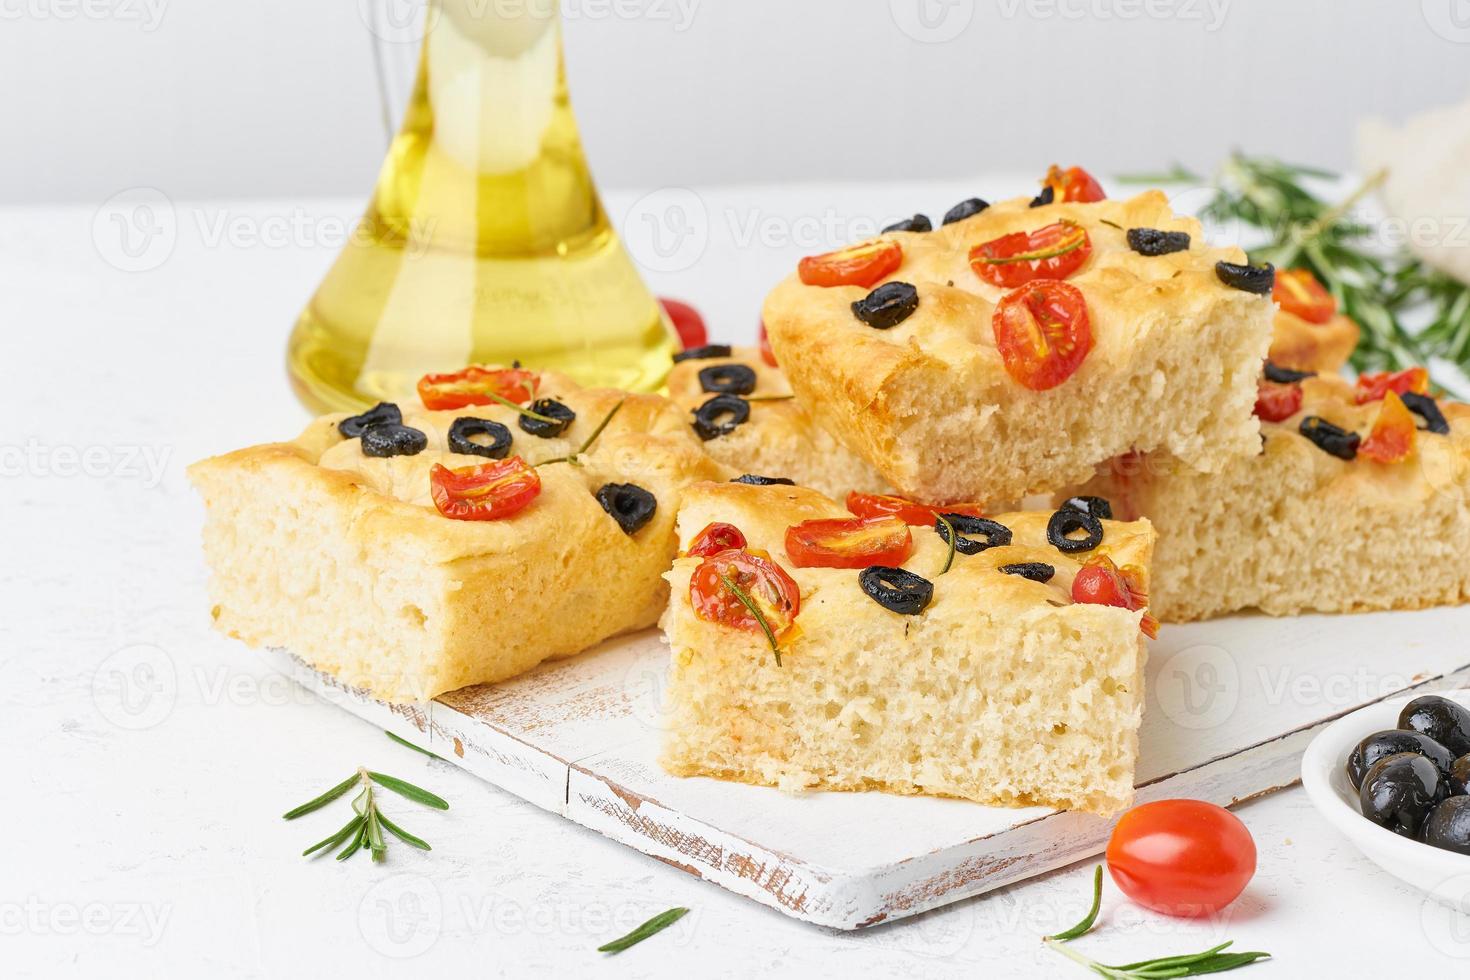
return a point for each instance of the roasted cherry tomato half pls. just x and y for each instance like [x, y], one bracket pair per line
[1298, 292]
[1277, 402]
[487, 492]
[910, 512]
[688, 324]
[764, 582]
[1043, 333]
[1372, 387]
[715, 538]
[1073, 184]
[863, 265]
[474, 386]
[1053, 252]
[767, 355]
[1181, 857]
[855, 542]
[1100, 582]
[1393, 434]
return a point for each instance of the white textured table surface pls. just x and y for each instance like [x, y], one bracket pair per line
[146, 760]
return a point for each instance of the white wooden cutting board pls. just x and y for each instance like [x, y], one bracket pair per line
[1231, 706]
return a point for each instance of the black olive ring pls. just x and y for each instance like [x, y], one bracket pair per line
[727, 379]
[1099, 507]
[1329, 438]
[1066, 522]
[897, 589]
[887, 306]
[1257, 279]
[462, 431]
[1428, 410]
[919, 222]
[630, 505]
[751, 480]
[995, 534]
[1047, 196]
[1286, 376]
[720, 416]
[560, 415]
[967, 208]
[702, 353]
[383, 413]
[384, 441]
[1152, 242]
[1036, 571]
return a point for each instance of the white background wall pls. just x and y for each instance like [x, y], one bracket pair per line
[275, 97]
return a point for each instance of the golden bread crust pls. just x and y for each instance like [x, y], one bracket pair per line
[1304, 346]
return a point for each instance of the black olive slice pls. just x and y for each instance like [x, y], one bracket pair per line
[1036, 571]
[887, 306]
[561, 417]
[750, 479]
[727, 379]
[1258, 279]
[383, 441]
[720, 416]
[463, 431]
[1153, 242]
[995, 534]
[702, 353]
[967, 208]
[1428, 410]
[1099, 507]
[1329, 438]
[631, 506]
[919, 222]
[1067, 522]
[896, 589]
[1286, 376]
[1047, 196]
[383, 413]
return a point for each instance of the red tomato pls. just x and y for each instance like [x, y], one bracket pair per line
[1298, 292]
[1100, 582]
[1394, 432]
[715, 538]
[1277, 402]
[855, 542]
[1372, 387]
[908, 511]
[688, 324]
[474, 386]
[1043, 333]
[486, 492]
[767, 355]
[1181, 857]
[1073, 184]
[1053, 252]
[767, 584]
[863, 265]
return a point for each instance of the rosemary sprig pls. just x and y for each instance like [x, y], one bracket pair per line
[575, 459]
[409, 745]
[949, 535]
[654, 925]
[768, 398]
[745, 600]
[1212, 960]
[521, 409]
[366, 827]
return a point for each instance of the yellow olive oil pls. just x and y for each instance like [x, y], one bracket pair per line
[485, 241]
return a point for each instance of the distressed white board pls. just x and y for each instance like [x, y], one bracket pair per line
[1231, 706]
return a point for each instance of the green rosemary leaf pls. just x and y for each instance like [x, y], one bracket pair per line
[407, 744]
[355, 844]
[375, 832]
[523, 410]
[335, 839]
[950, 534]
[749, 603]
[1168, 961]
[1085, 926]
[402, 834]
[600, 427]
[654, 925]
[361, 801]
[322, 800]
[408, 790]
[767, 398]
[1176, 174]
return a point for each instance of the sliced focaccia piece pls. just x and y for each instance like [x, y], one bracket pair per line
[1309, 333]
[990, 681]
[742, 408]
[412, 552]
[1009, 352]
[1359, 499]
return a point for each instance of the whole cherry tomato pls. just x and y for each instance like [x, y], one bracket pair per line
[1073, 184]
[688, 324]
[487, 492]
[855, 542]
[863, 265]
[474, 386]
[1043, 333]
[1053, 252]
[767, 585]
[1298, 292]
[715, 538]
[909, 511]
[1181, 857]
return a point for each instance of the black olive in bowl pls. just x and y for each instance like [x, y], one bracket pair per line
[1448, 826]
[1400, 790]
[1445, 721]
[1460, 776]
[1380, 745]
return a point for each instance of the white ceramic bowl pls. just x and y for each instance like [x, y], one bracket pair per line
[1445, 875]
